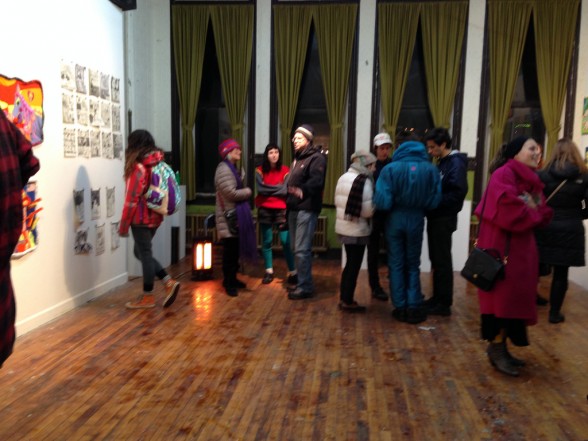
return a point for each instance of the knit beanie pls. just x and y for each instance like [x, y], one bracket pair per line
[363, 157]
[306, 130]
[514, 146]
[227, 146]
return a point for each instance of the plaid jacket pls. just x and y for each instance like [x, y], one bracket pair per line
[17, 165]
[135, 210]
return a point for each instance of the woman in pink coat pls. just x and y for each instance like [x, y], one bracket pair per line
[512, 207]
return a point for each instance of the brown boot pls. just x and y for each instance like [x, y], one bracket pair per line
[499, 359]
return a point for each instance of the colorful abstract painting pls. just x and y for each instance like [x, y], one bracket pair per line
[29, 237]
[22, 102]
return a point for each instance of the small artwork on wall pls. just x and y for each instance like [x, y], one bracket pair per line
[95, 198]
[68, 78]
[22, 102]
[70, 149]
[110, 201]
[100, 239]
[29, 236]
[95, 145]
[82, 246]
[114, 237]
[78, 200]
[83, 143]
[81, 79]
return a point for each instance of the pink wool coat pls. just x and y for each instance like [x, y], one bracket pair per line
[505, 210]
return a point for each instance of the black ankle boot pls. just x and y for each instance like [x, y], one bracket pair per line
[556, 317]
[516, 362]
[498, 359]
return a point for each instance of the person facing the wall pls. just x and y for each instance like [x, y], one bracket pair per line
[141, 156]
[234, 223]
[304, 202]
[382, 147]
[272, 189]
[407, 188]
[442, 221]
[512, 207]
[354, 203]
[562, 242]
[17, 165]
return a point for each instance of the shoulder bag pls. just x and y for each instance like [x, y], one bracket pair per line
[484, 266]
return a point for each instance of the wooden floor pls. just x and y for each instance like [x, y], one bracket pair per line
[262, 367]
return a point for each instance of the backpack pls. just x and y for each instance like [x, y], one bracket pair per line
[163, 195]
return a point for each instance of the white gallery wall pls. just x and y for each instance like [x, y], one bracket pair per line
[39, 35]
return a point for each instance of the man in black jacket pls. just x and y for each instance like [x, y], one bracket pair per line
[442, 221]
[305, 201]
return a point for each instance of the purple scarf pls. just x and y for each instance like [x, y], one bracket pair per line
[247, 242]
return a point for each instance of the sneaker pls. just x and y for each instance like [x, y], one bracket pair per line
[172, 288]
[379, 294]
[444, 311]
[267, 278]
[293, 279]
[145, 301]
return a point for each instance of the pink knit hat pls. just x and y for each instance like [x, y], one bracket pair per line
[227, 146]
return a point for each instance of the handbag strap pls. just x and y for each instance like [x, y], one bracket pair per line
[508, 234]
[562, 183]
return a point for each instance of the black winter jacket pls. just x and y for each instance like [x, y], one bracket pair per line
[308, 172]
[454, 185]
[562, 241]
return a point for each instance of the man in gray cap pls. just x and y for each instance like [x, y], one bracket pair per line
[382, 148]
[304, 202]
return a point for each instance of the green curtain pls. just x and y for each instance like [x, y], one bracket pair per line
[508, 22]
[335, 27]
[291, 30]
[397, 30]
[233, 36]
[443, 28]
[189, 28]
[555, 27]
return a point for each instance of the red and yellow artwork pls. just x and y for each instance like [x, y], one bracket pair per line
[28, 239]
[22, 102]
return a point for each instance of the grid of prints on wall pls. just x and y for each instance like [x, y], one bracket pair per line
[84, 243]
[90, 113]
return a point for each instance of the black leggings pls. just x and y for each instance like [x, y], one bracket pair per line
[559, 287]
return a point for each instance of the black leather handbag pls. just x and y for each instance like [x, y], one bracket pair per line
[484, 266]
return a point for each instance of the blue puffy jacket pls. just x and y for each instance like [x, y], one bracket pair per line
[409, 181]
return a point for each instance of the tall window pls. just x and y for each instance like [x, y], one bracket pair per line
[312, 108]
[525, 116]
[415, 113]
[212, 121]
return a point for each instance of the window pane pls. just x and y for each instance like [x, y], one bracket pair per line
[525, 118]
[312, 107]
[415, 113]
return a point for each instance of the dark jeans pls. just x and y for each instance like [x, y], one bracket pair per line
[230, 260]
[439, 232]
[349, 275]
[373, 256]
[143, 251]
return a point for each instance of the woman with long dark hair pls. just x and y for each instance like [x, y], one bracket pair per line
[510, 210]
[271, 179]
[141, 156]
[562, 242]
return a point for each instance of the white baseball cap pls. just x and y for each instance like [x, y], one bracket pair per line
[382, 138]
